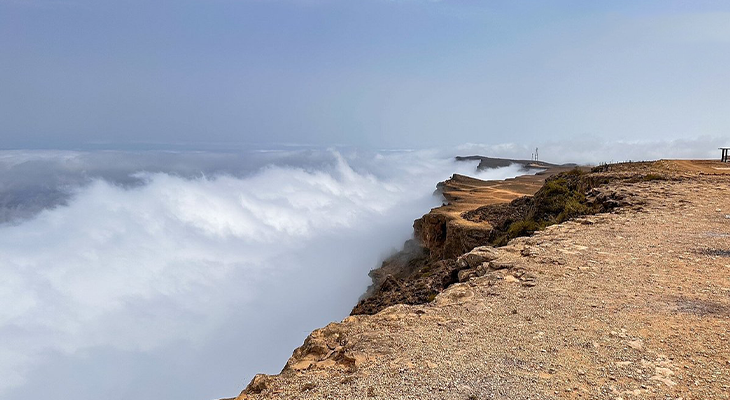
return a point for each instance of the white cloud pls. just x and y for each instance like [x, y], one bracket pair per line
[711, 27]
[175, 270]
[590, 150]
[176, 260]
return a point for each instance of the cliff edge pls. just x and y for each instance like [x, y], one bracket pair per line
[427, 264]
[630, 302]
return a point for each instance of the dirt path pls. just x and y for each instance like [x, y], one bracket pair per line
[465, 193]
[634, 304]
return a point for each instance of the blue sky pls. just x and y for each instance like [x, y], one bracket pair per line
[371, 73]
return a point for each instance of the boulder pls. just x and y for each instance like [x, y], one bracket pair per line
[477, 257]
[258, 384]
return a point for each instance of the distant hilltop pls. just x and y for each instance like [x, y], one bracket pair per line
[492, 162]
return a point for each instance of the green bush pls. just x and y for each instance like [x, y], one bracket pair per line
[572, 207]
[561, 198]
[522, 228]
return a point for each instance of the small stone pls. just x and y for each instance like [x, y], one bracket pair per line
[501, 265]
[466, 274]
[478, 256]
[308, 386]
[636, 344]
[529, 277]
[482, 269]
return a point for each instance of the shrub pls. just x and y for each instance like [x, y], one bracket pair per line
[572, 208]
[522, 228]
[561, 198]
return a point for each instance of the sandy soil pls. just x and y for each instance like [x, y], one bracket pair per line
[633, 304]
[464, 193]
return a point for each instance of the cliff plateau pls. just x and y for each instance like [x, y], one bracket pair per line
[607, 284]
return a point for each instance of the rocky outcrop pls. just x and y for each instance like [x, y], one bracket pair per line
[493, 162]
[446, 236]
[326, 348]
[420, 287]
[428, 264]
[597, 307]
[449, 237]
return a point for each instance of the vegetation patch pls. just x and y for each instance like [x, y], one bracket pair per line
[562, 197]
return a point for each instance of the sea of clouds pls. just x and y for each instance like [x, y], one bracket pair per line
[150, 275]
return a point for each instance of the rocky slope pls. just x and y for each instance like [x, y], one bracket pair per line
[479, 213]
[426, 265]
[634, 303]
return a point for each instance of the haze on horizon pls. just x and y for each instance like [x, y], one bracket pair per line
[375, 73]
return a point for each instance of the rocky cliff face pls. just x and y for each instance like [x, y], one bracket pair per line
[493, 162]
[595, 307]
[427, 264]
[446, 236]
[431, 262]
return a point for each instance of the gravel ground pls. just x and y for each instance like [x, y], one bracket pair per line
[632, 304]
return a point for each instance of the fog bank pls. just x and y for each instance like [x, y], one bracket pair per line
[182, 276]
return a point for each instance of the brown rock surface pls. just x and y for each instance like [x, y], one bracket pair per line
[426, 264]
[630, 304]
[475, 218]
[447, 234]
